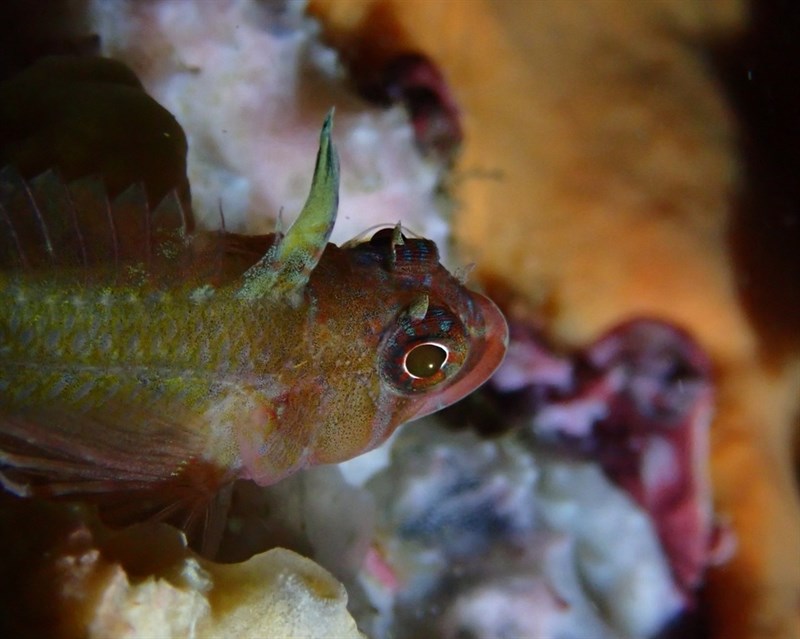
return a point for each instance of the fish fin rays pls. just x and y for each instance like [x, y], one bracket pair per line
[201, 514]
[59, 445]
[286, 267]
[49, 223]
[85, 458]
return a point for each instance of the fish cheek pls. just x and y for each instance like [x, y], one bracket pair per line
[357, 421]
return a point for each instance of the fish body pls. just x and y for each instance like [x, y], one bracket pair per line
[171, 363]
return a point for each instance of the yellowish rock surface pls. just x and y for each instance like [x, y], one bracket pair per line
[66, 576]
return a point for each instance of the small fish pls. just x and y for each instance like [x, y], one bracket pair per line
[148, 367]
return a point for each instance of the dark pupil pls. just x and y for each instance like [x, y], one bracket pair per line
[425, 360]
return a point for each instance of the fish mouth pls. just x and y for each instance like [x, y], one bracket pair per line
[490, 342]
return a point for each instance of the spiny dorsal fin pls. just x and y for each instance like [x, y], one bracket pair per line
[48, 223]
[286, 267]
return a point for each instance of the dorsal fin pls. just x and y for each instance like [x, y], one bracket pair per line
[47, 223]
[285, 268]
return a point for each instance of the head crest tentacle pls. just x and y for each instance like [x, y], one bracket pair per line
[286, 267]
[418, 308]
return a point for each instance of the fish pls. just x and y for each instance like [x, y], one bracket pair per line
[146, 366]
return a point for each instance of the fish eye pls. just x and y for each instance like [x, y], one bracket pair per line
[420, 354]
[425, 360]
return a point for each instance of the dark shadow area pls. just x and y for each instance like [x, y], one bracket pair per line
[30, 30]
[62, 108]
[761, 74]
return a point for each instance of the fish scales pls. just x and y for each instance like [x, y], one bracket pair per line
[124, 338]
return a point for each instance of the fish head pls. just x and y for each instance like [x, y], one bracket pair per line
[382, 334]
[404, 337]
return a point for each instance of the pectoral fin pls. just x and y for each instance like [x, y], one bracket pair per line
[285, 268]
[133, 474]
